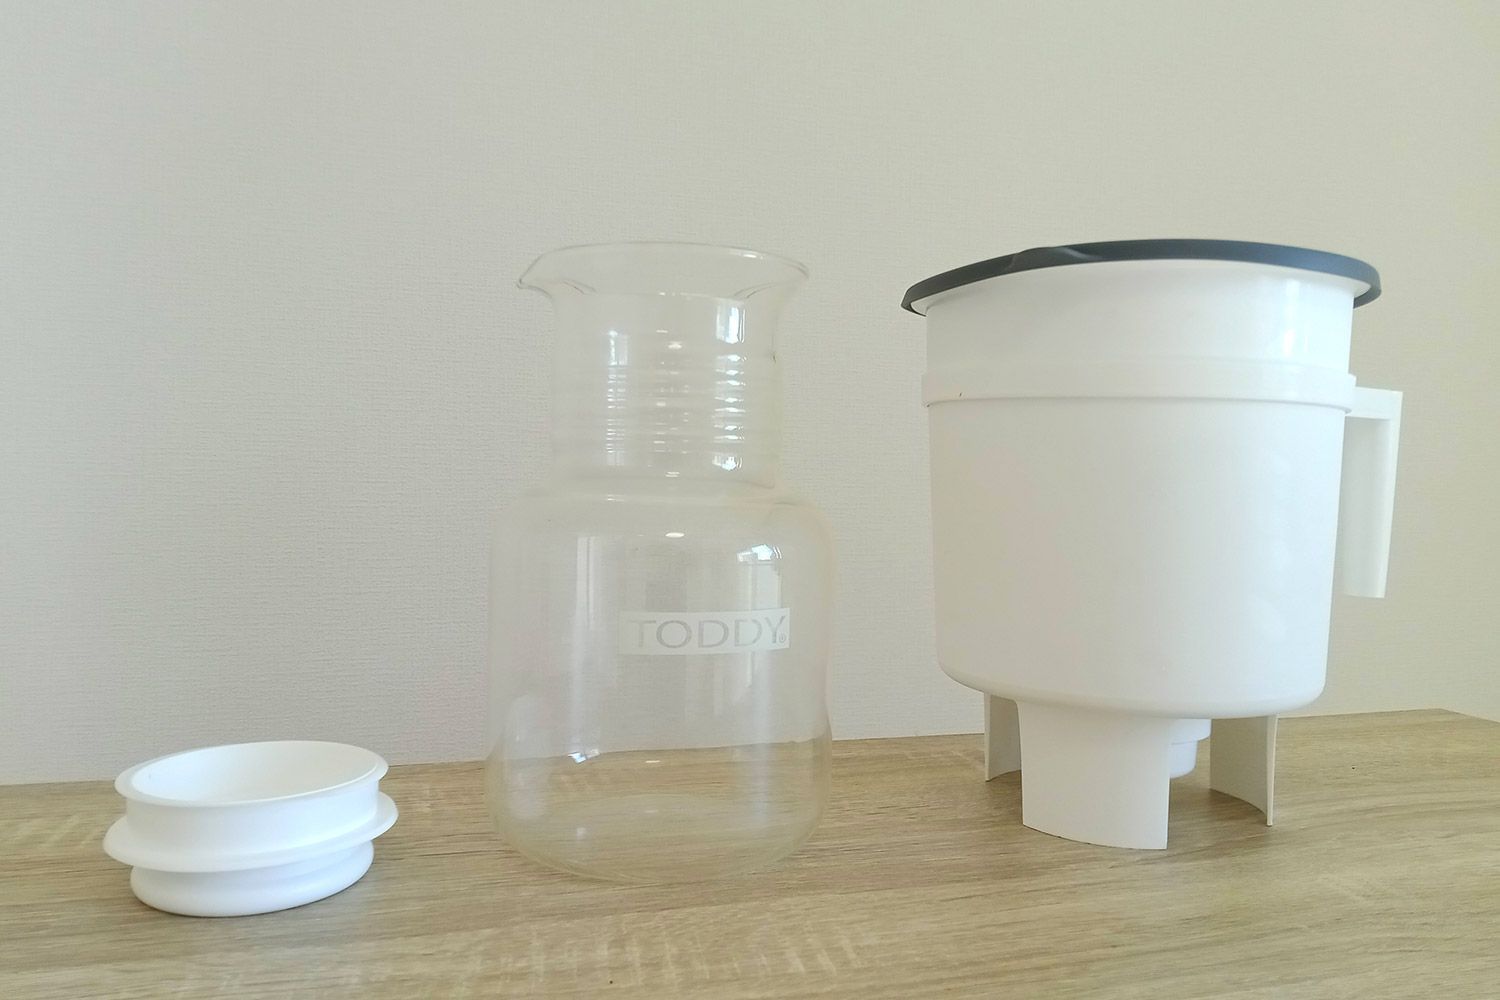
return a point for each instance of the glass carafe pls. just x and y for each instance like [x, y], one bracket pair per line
[660, 608]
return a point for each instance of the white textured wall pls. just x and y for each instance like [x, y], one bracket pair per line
[263, 371]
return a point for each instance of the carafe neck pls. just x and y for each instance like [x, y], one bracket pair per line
[664, 386]
[665, 362]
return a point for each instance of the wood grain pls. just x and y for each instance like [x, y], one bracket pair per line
[1381, 879]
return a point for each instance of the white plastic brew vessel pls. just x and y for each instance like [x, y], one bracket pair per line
[1136, 453]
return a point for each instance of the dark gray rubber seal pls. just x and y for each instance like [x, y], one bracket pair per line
[1095, 253]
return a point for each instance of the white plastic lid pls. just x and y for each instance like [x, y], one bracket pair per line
[273, 815]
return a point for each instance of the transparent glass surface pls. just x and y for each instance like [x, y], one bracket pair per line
[660, 608]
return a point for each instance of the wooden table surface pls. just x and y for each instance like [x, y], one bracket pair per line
[1381, 879]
